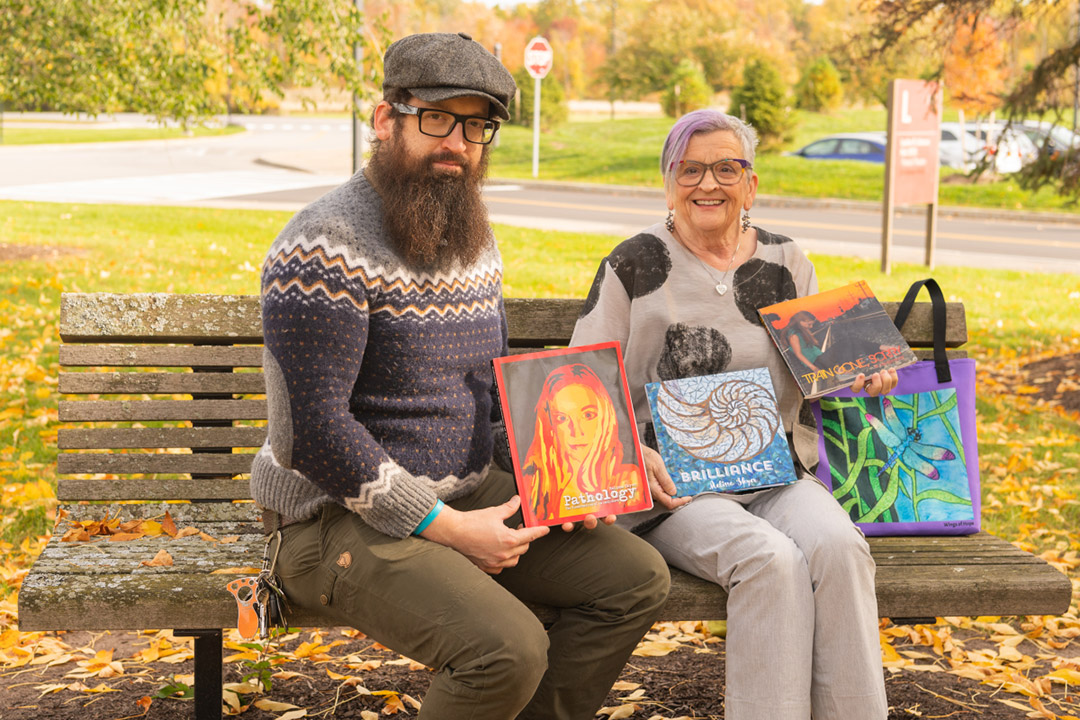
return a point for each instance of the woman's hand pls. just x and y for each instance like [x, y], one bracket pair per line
[882, 382]
[660, 483]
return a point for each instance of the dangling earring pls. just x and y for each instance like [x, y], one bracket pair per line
[746, 220]
[670, 222]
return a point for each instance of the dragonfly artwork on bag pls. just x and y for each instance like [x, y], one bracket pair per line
[897, 459]
[904, 442]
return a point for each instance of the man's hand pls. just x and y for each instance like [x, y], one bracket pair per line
[880, 383]
[660, 483]
[482, 536]
[590, 522]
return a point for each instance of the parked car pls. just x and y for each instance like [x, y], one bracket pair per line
[864, 146]
[1052, 138]
[1004, 149]
[959, 147]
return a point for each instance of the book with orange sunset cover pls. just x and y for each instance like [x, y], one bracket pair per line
[829, 338]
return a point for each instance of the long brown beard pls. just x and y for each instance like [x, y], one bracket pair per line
[433, 218]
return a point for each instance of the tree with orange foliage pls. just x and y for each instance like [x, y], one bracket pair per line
[975, 71]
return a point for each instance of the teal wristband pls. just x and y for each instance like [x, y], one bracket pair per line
[430, 516]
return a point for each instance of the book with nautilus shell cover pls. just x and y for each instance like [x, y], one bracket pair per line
[571, 430]
[827, 339]
[720, 433]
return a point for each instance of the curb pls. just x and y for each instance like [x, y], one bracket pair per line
[779, 201]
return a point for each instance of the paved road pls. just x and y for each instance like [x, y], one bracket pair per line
[284, 164]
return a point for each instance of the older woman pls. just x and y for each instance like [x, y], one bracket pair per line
[682, 298]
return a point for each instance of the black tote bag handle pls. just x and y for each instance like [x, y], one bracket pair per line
[937, 302]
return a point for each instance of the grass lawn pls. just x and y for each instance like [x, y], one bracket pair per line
[1012, 316]
[57, 135]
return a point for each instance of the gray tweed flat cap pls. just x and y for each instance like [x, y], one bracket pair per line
[440, 66]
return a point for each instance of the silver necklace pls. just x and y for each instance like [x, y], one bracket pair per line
[721, 287]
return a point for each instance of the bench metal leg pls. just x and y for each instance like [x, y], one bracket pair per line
[207, 672]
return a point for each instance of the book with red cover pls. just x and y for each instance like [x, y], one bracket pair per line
[829, 338]
[570, 425]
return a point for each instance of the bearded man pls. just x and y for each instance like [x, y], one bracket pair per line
[382, 310]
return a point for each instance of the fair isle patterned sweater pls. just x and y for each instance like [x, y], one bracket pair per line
[378, 376]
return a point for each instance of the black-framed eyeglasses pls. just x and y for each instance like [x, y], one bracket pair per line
[440, 123]
[689, 173]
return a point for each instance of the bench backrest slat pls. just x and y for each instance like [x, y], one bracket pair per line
[163, 437]
[153, 383]
[160, 318]
[190, 345]
[160, 356]
[219, 465]
[154, 410]
[112, 489]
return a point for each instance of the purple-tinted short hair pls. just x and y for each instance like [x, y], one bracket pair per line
[703, 121]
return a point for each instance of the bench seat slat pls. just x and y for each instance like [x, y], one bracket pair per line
[95, 586]
[112, 490]
[163, 437]
[159, 356]
[125, 463]
[145, 383]
[182, 513]
[151, 410]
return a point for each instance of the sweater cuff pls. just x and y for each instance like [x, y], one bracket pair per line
[395, 502]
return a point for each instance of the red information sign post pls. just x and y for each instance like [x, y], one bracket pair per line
[911, 159]
[538, 58]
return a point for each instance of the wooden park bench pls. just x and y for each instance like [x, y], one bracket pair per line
[173, 408]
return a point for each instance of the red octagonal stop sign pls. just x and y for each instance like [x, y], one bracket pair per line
[538, 57]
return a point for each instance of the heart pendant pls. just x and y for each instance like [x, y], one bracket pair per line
[721, 288]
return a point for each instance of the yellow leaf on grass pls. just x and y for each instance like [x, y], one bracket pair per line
[162, 559]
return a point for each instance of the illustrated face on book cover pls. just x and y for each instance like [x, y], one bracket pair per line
[571, 434]
[575, 449]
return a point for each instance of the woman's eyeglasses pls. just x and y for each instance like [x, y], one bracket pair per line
[690, 173]
[440, 123]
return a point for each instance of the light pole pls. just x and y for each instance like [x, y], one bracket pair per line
[357, 116]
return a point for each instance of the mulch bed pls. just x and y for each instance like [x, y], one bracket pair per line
[1057, 380]
[688, 682]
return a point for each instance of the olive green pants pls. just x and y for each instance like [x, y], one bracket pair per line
[493, 659]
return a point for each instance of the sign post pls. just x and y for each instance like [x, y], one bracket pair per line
[538, 57]
[911, 158]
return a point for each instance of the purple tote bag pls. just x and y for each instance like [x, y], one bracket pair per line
[906, 463]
